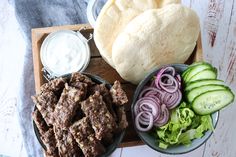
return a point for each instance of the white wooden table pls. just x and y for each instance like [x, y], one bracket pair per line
[218, 27]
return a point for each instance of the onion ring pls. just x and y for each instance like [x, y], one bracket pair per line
[165, 115]
[155, 100]
[137, 122]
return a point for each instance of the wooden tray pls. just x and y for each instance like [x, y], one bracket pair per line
[96, 66]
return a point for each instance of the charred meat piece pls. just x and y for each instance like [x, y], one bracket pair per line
[101, 88]
[39, 122]
[49, 141]
[51, 155]
[67, 106]
[106, 96]
[85, 137]
[108, 139]
[54, 85]
[78, 115]
[67, 146]
[118, 94]
[77, 79]
[122, 119]
[46, 103]
[100, 118]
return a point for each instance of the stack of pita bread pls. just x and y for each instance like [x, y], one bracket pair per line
[136, 36]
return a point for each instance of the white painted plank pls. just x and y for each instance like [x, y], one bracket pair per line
[143, 151]
[116, 153]
[224, 141]
[11, 45]
[215, 30]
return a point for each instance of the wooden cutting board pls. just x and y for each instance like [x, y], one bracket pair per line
[97, 66]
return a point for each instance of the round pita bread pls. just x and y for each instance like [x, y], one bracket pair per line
[114, 17]
[154, 38]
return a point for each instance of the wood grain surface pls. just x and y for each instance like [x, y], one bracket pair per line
[97, 66]
[218, 28]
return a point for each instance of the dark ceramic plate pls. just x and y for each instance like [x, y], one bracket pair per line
[117, 138]
[150, 140]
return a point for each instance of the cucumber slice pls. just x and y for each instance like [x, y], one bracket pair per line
[196, 69]
[199, 83]
[212, 101]
[190, 67]
[185, 74]
[191, 95]
[205, 74]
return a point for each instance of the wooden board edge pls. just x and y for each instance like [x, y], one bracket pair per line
[131, 144]
[36, 57]
[46, 30]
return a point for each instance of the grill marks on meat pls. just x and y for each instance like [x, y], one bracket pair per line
[77, 79]
[55, 85]
[66, 144]
[46, 103]
[67, 106]
[39, 122]
[118, 94]
[85, 137]
[100, 118]
[49, 141]
[122, 119]
[46, 134]
[106, 96]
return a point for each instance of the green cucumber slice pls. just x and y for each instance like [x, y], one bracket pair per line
[191, 95]
[191, 66]
[205, 74]
[196, 69]
[212, 101]
[185, 73]
[199, 83]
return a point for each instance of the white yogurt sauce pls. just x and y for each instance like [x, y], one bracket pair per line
[65, 52]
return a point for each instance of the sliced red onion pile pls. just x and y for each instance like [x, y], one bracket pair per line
[155, 101]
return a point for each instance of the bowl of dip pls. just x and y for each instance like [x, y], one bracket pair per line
[64, 52]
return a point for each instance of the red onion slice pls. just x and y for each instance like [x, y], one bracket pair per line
[137, 122]
[153, 84]
[148, 104]
[149, 90]
[165, 90]
[172, 99]
[167, 70]
[165, 115]
[168, 87]
[178, 78]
